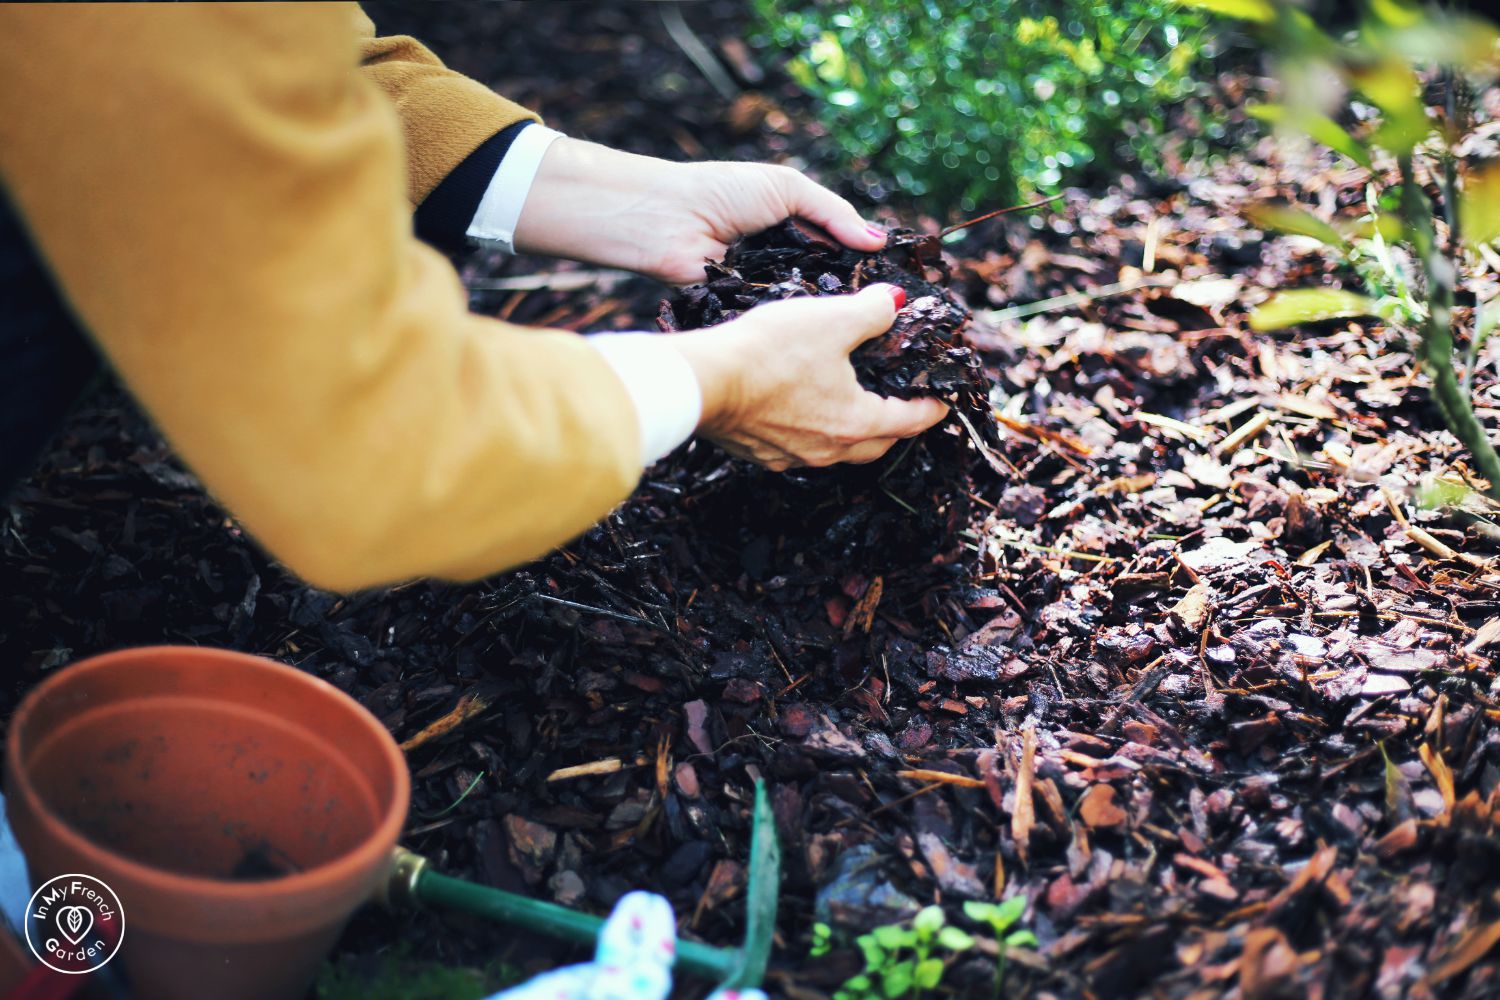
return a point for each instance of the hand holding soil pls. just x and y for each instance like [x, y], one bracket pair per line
[778, 387]
[777, 384]
[665, 219]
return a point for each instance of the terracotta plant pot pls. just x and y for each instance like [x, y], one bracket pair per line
[239, 808]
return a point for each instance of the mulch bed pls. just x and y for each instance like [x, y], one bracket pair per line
[1178, 661]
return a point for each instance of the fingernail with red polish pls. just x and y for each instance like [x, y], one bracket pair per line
[898, 294]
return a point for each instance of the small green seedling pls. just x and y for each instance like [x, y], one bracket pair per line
[1000, 918]
[900, 960]
[908, 960]
[822, 940]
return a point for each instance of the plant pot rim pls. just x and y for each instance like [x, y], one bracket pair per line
[347, 868]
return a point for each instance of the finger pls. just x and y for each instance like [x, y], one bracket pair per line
[900, 418]
[815, 203]
[687, 264]
[859, 317]
[771, 457]
[868, 451]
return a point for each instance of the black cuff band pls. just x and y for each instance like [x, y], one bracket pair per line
[444, 217]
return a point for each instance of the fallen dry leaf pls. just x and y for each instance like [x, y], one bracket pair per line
[1098, 809]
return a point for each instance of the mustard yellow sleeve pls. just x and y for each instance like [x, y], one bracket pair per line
[221, 196]
[444, 115]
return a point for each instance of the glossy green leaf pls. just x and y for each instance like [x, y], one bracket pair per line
[1021, 939]
[874, 954]
[1393, 87]
[983, 913]
[1260, 11]
[1309, 305]
[1437, 494]
[822, 940]
[1009, 912]
[955, 939]
[1387, 227]
[1395, 13]
[896, 981]
[827, 54]
[1479, 207]
[1319, 128]
[892, 936]
[929, 920]
[928, 973]
[800, 70]
[1462, 41]
[1287, 219]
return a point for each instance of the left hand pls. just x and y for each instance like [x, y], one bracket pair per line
[664, 219]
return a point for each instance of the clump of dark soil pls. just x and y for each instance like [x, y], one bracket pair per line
[923, 353]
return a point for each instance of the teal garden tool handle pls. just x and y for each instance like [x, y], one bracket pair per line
[443, 892]
[413, 883]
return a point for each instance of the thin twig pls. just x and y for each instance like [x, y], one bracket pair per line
[618, 616]
[692, 46]
[995, 215]
[554, 281]
[943, 777]
[1069, 299]
[595, 768]
[1053, 550]
[1245, 433]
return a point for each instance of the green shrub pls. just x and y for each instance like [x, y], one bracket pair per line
[969, 104]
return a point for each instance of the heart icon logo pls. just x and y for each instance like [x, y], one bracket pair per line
[74, 922]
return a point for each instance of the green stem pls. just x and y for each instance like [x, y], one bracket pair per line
[1476, 341]
[1437, 334]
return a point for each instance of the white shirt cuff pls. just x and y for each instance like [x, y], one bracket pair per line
[500, 209]
[661, 384]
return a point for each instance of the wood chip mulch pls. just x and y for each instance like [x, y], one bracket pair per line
[1188, 661]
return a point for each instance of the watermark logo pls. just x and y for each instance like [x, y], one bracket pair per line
[74, 924]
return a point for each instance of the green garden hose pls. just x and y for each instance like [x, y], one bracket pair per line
[413, 883]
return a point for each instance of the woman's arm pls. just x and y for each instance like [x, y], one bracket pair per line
[223, 198]
[445, 116]
[585, 201]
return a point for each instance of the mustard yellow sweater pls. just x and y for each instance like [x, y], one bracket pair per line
[224, 194]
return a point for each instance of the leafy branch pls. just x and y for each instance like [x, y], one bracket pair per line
[1382, 63]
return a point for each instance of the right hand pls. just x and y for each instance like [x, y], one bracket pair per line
[779, 390]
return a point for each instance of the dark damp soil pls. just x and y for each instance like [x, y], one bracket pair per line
[1209, 708]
